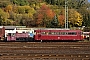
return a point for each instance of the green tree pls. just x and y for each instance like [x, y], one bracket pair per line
[85, 13]
[21, 10]
[87, 19]
[20, 2]
[4, 3]
[53, 23]
[0, 20]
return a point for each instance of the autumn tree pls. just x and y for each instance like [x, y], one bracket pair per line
[3, 17]
[75, 18]
[61, 19]
[8, 8]
[46, 13]
[21, 14]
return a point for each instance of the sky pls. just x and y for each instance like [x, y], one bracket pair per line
[89, 0]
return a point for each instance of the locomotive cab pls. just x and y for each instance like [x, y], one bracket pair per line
[11, 37]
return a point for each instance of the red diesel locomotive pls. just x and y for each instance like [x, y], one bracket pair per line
[58, 35]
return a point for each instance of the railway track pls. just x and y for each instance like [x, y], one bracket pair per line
[48, 57]
[45, 50]
[38, 44]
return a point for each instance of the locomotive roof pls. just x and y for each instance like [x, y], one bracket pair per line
[52, 29]
[57, 30]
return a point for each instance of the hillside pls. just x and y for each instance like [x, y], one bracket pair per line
[44, 13]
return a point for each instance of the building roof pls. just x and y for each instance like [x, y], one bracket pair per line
[1, 26]
[10, 27]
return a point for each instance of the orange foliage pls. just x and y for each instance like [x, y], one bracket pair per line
[44, 7]
[61, 19]
[44, 13]
[39, 18]
[47, 11]
[8, 8]
[50, 13]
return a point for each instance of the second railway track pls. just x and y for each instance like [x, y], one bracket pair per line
[44, 51]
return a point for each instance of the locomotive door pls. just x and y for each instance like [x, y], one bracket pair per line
[37, 35]
[79, 35]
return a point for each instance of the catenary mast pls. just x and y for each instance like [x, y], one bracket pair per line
[66, 14]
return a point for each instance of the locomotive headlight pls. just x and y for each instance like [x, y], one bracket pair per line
[83, 36]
